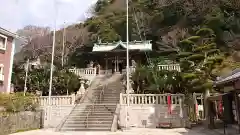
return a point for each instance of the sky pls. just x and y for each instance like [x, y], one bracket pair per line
[15, 14]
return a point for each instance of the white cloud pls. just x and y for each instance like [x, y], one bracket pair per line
[16, 14]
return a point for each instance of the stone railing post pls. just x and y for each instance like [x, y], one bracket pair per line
[95, 71]
[73, 96]
[121, 98]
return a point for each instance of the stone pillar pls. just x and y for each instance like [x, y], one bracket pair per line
[115, 62]
[207, 106]
[106, 66]
[73, 99]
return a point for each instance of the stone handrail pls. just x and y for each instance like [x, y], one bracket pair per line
[151, 98]
[85, 73]
[114, 126]
[56, 100]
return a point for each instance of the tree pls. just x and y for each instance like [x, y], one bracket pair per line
[64, 82]
[149, 79]
[198, 57]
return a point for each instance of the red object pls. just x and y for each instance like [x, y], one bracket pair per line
[220, 106]
[169, 104]
[196, 107]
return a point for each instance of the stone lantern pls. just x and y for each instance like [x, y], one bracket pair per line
[39, 93]
[82, 88]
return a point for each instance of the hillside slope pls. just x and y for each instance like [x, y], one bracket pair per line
[77, 36]
[164, 22]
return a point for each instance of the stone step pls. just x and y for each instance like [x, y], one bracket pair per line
[91, 118]
[99, 110]
[102, 116]
[86, 129]
[93, 114]
[105, 109]
[108, 94]
[113, 100]
[101, 107]
[111, 97]
[109, 102]
[94, 110]
[96, 125]
[90, 121]
[107, 112]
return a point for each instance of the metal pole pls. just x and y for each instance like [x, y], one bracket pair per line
[26, 77]
[127, 43]
[63, 47]
[53, 50]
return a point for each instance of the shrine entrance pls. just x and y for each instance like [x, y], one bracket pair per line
[118, 65]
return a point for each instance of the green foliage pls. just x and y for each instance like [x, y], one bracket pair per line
[101, 5]
[198, 56]
[38, 80]
[152, 20]
[152, 80]
[203, 58]
[17, 102]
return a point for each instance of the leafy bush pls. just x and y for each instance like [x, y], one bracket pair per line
[17, 102]
[38, 80]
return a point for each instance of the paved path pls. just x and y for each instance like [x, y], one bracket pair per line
[135, 131]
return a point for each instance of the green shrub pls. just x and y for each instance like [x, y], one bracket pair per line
[17, 102]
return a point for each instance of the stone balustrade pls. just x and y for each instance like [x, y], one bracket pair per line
[84, 71]
[152, 110]
[151, 98]
[56, 100]
[169, 67]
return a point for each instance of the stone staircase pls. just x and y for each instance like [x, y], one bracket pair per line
[94, 113]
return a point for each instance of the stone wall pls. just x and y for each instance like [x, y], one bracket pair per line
[153, 115]
[54, 115]
[16, 122]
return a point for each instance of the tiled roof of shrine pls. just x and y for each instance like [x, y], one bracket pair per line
[135, 45]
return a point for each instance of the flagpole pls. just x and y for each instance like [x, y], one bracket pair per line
[26, 77]
[63, 47]
[53, 51]
[127, 91]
